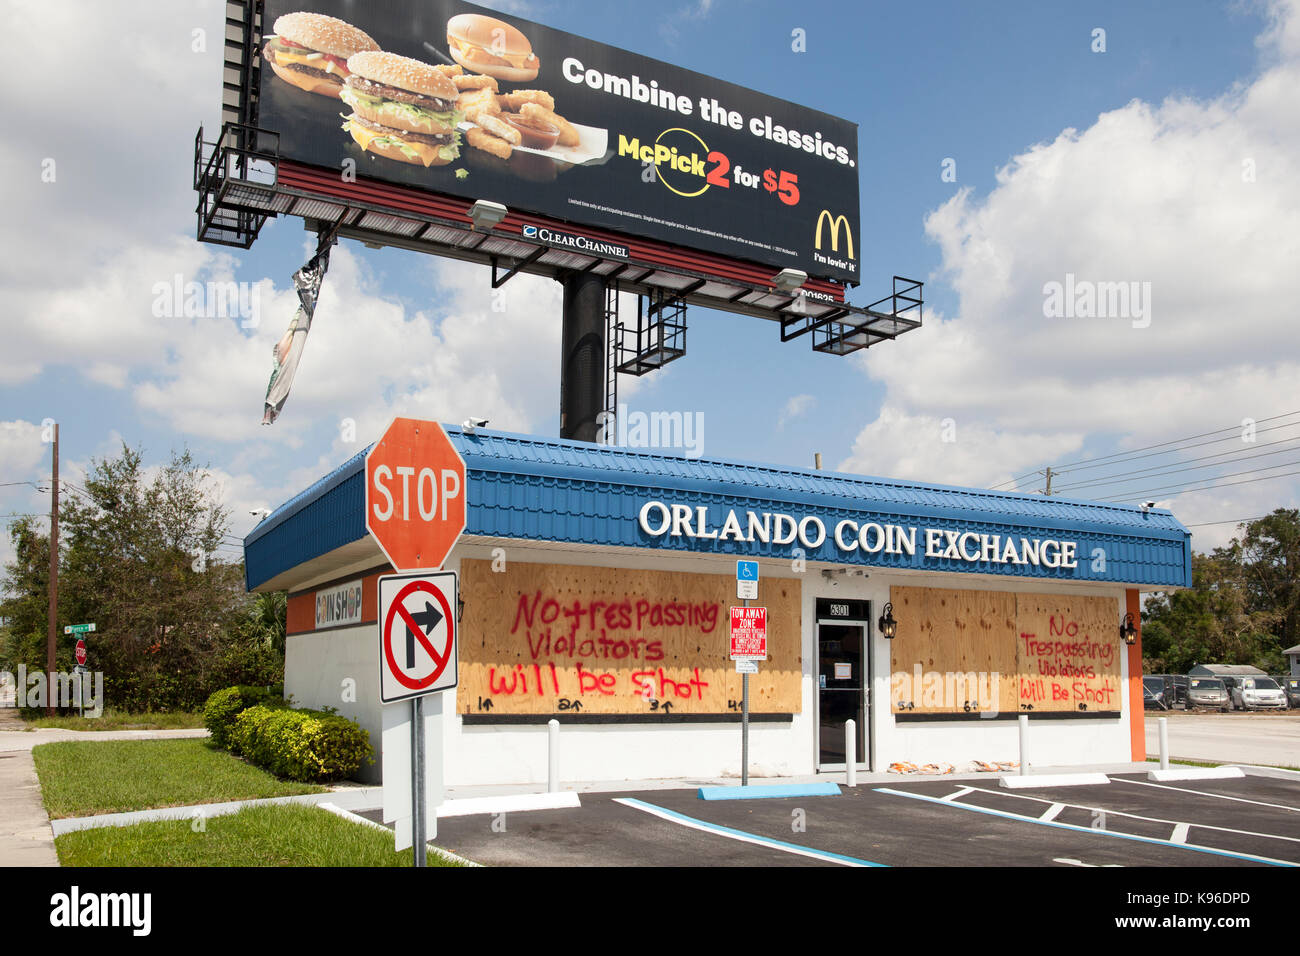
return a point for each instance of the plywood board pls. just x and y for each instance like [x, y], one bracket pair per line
[1029, 652]
[554, 639]
[954, 651]
[1069, 653]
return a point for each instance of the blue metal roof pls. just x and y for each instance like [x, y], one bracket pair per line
[526, 487]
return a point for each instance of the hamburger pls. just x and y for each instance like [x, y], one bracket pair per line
[402, 109]
[310, 51]
[493, 47]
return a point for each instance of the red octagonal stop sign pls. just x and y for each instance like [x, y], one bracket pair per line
[415, 494]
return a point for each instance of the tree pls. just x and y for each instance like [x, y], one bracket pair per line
[139, 558]
[26, 605]
[1271, 553]
[1243, 606]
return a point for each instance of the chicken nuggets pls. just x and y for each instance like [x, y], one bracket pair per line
[499, 128]
[473, 81]
[481, 139]
[478, 103]
[513, 102]
[568, 134]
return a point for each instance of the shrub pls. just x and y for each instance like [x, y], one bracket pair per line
[224, 706]
[306, 745]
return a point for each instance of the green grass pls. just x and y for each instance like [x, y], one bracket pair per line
[288, 835]
[118, 720]
[82, 778]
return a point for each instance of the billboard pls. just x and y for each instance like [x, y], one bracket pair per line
[554, 124]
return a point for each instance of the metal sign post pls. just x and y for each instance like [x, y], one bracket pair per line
[420, 845]
[744, 726]
[418, 656]
[748, 646]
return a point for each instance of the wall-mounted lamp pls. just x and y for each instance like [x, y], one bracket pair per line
[787, 280]
[485, 214]
[1127, 632]
[888, 626]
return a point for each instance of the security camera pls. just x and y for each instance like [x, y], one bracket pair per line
[260, 513]
[1148, 505]
[470, 425]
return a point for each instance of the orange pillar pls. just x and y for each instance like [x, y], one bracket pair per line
[1136, 709]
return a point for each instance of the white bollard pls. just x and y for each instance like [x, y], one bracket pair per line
[1024, 744]
[1164, 742]
[850, 753]
[553, 756]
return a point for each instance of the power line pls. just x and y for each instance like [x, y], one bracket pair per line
[1157, 470]
[1225, 484]
[1206, 524]
[1013, 481]
[1135, 454]
[1092, 462]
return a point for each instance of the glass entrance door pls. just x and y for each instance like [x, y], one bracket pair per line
[841, 678]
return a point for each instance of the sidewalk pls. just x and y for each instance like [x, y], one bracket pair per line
[25, 835]
[26, 838]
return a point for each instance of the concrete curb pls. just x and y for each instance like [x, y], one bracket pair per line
[1196, 773]
[1277, 773]
[1031, 781]
[349, 815]
[362, 798]
[770, 791]
[509, 803]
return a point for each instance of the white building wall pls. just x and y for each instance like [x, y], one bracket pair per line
[317, 664]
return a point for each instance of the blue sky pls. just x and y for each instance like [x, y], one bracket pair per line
[1122, 165]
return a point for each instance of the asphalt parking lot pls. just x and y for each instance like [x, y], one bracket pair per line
[1253, 821]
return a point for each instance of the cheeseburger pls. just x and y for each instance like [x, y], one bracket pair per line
[310, 51]
[402, 109]
[493, 47]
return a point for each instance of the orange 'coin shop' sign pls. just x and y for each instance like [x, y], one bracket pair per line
[415, 494]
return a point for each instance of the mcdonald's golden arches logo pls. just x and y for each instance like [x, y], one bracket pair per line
[835, 223]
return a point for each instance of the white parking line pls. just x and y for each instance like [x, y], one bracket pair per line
[958, 794]
[680, 818]
[1052, 812]
[1180, 833]
[1116, 834]
[1202, 793]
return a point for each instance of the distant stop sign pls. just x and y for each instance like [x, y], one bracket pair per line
[415, 494]
[81, 652]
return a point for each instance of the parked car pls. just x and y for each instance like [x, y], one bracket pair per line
[1180, 689]
[1149, 702]
[1231, 683]
[1157, 695]
[1258, 693]
[1291, 690]
[1207, 692]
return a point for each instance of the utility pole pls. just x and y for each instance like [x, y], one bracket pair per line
[1048, 490]
[51, 641]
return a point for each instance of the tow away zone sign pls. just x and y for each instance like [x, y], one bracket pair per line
[749, 633]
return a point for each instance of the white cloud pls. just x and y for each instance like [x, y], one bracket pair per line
[794, 407]
[1157, 194]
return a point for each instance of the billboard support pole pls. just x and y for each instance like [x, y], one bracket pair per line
[582, 359]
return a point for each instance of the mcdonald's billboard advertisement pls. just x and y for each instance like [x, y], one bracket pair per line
[455, 99]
